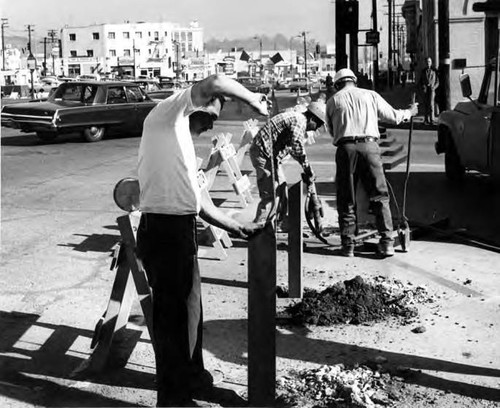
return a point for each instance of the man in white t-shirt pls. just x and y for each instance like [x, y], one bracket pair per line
[167, 236]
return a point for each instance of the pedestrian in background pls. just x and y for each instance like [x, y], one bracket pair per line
[167, 238]
[429, 82]
[352, 116]
[285, 134]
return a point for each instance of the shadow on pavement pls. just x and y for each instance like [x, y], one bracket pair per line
[227, 340]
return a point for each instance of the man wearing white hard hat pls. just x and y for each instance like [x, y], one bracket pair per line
[285, 134]
[352, 116]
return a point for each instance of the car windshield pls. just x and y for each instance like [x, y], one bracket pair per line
[77, 93]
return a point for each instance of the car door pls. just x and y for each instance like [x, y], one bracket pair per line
[476, 134]
[120, 112]
[142, 105]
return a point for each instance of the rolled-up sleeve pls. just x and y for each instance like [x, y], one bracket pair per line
[386, 113]
[298, 130]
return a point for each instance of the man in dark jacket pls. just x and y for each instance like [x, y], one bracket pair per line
[429, 81]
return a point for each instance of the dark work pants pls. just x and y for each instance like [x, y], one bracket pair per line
[167, 246]
[429, 96]
[361, 161]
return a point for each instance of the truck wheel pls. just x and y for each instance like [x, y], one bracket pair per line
[46, 136]
[454, 169]
[93, 133]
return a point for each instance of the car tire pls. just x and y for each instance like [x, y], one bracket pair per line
[93, 133]
[46, 136]
[454, 169]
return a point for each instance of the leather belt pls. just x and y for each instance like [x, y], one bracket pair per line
[357, 139]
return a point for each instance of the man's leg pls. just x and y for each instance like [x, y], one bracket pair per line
[346, 159]
[167, 246]
[373, 178]
[432, 105]
[262, 165]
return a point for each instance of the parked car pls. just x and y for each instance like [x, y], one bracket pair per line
[254, 84]
[91, 108]
[298, 84]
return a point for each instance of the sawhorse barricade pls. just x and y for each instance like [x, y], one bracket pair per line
[217, 237]
[129, 274]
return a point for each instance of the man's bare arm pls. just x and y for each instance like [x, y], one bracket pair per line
[213, 215]
[220, 85]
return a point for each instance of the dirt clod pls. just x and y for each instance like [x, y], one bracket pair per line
[353, 302]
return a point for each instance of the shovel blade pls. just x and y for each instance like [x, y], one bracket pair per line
[404, 236]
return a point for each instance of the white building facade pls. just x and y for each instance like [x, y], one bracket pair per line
[142, 48]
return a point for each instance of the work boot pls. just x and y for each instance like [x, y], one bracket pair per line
[385, 248]
[203, 383]
[347, 250]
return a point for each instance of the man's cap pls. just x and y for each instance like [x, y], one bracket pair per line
[318, 109]
[344, 74]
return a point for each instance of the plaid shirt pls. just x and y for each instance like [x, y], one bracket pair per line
[284, 134]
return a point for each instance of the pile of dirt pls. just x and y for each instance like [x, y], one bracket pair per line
[336, 386]
[354, 302]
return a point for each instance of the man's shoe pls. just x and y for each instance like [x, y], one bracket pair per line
[347, 250]
[205, 381]
[385, 249]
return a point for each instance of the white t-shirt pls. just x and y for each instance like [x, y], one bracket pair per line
[167, 160]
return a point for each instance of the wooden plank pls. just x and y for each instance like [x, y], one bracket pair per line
[295, 240]
[128, 227]
[262, 318]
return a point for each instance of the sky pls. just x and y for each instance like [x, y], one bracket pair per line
[219, 18]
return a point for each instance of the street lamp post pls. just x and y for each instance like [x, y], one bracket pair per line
[176, 43]
[31, 61]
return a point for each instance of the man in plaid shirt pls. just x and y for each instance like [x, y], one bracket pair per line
[284, 134]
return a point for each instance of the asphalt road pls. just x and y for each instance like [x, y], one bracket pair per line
[58, 226]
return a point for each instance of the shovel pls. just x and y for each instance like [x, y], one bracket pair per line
[404, 227]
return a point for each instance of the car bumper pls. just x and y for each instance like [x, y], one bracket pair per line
[29, 125]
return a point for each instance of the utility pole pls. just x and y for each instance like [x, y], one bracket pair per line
[29, 27]
[389, 55]
[444, 54]
[375, 60]
[305, 54]
[52, 34]
[44, 56]
[5, 23]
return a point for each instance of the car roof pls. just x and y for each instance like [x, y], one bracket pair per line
[101, 83]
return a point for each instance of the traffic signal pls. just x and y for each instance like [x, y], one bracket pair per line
[347, 16]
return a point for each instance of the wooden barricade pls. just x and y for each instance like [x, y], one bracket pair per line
[129, 273]
[217, 237]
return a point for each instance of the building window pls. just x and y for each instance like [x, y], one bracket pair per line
[138, 34]
[90, 53]
[126, 34]
[126, 53]
[166, 34]
[111, 35]
[149, 51]
[149, 33]
[72, 53]
[95, 36]
[72, 37]
[190, 46]
[137, 51]
[112, 53]
[190, 36]
[183, 36]
[157, 36]
[166, 50]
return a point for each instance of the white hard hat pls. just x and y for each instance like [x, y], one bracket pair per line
[344, 74]
[318, 109]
